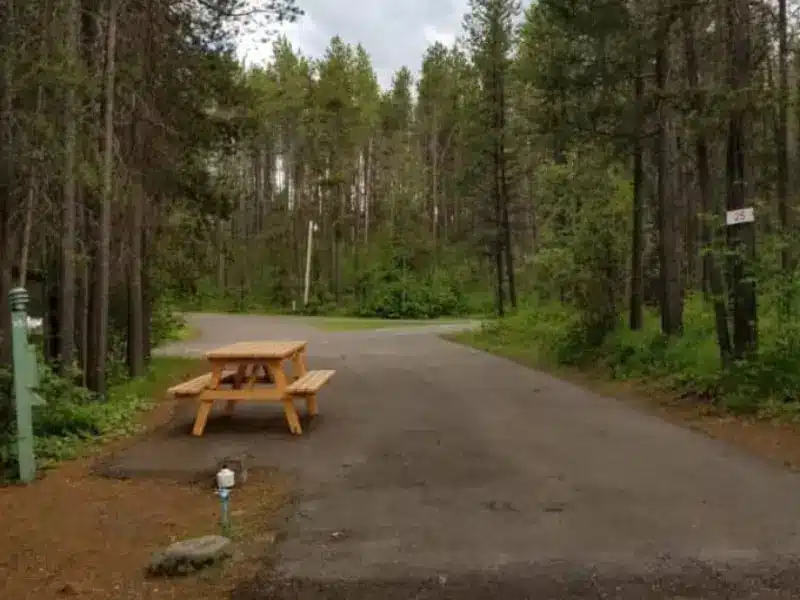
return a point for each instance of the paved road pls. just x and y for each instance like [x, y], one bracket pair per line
[438, 471]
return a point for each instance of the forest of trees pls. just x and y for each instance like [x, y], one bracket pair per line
[585, 151]
[570, 155]
[108, 116]
[107, 120]
[572, 158]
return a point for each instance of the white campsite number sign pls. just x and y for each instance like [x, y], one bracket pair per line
[740, 216]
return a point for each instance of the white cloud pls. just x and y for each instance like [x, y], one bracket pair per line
[394, 33]
[433, 35]
[302, 35]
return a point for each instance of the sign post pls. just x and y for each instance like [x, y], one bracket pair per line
[24, 381]
[312, 227]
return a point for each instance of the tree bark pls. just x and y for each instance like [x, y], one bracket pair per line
[67, 291]
[96, 379]
[636, 317]
[741, 238]
[710, 272]
[7, 24]
[669, 259]
[783, 134]
[136, 349]
[504, 193]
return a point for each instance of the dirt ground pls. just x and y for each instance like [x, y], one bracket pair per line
[76, 534]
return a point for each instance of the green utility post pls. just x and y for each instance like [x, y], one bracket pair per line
[24, 381]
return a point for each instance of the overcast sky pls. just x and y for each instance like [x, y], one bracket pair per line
[394, 32]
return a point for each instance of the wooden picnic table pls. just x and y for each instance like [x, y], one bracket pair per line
[255, 371]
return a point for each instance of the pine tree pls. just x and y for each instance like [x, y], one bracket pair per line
[490, 28]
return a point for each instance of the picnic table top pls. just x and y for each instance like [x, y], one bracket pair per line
[256, 350]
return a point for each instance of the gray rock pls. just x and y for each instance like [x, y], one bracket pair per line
[187, 556]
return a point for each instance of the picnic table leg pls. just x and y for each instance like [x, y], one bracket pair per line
[202, 416]
[292, 418]
[299, 364]
[238, 380]
[260, 372]
[204, 407]
[279, 377]
[311, 405]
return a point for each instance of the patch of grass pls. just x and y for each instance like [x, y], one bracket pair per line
[525, 355]
[164, 371]
[184, 333]
[172, 327]
[358, 324]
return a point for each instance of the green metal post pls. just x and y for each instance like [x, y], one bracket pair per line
[23, 394]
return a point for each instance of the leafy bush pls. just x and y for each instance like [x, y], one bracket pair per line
[165, 322]
[389, 280]
[393, 294]
[582, 259]
[549, 334]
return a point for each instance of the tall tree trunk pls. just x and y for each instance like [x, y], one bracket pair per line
[498, 269]
[710, 272]
[147, 286]
[34, 179]
[783, 134]
[66, 309]
[433, 151]
[96, 379]
[671, 304]
[741, 238]
[503, 174]
[369, 177]
[136, 349]
[499, 237]
[497, 181]
[83, 299]
[7, 50]
[636, 317]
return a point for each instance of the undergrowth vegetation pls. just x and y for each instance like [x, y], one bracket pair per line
[576, 307]
[72, 416]
[392, 287]
[552, 334]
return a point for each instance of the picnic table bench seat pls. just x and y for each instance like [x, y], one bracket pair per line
[307, 386]
[310, 383]
[196, 386]
[193, 387]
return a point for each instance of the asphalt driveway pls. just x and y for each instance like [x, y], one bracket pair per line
[438, 471]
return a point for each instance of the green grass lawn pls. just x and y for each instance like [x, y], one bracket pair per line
[164, 372]
[357, 324]
[186, 333]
